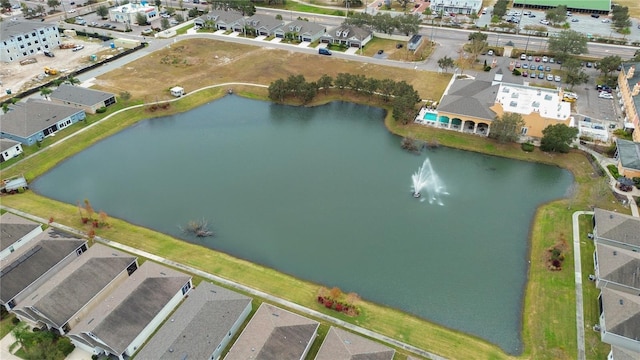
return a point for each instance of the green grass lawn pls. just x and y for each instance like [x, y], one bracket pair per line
[6, 324]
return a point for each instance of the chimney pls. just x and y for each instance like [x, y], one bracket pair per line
[636, 89]
[631, 71]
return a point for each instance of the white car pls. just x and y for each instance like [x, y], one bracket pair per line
[71, 11]
[490, 53]
[544, 22]
[545, 59]
[606, 21]
[78, 48]
[557, 78]
[166, 16]
[523, 57]
[605, 95]
[549, 77]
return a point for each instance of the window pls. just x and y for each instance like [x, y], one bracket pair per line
[186, 288]
[41, 32]
[523, 131]
[17, 148]
[6, 154]
[26, 36]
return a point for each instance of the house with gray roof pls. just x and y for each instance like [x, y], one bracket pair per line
[620, 319]
[264, 25]
[628, 156]
[9, 149]
[617, 268]
[202, 327]
[34, 120]
[466, 106]
[79, 97]
[61, 302]
[15, 232]
[24, 38]
[618, 353]
[222, 20]
[274, 333]
[349, 35]
[340, 344]
[301, 30]
[126, 318]
[617, 230]
[27, 268]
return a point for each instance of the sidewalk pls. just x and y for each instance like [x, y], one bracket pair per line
[5, 342]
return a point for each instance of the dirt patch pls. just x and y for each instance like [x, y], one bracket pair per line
[21, 77]
[196, 63]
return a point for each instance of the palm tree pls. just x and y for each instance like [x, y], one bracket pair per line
[45, 92]
[72, 80]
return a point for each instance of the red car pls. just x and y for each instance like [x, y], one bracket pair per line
[537, 59]
[525, 74]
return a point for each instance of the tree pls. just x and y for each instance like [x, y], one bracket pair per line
[557, 15]
[575, 75]
[620, 17]
[446, 63]
[40, 10]
[568, 42]
[325, 82]
[164, 24]
[309, 91]
[72, 80]
[102, 11]
[35, 345]
[141, 19]
[474, 16]
[500, 8]
[477, 45]
[158, 3]
[386, 87]
[608, 64]
[5, 108]
[277, 90]
[636, 56]
[408, 24]
[5, 4]
[558, 138]
[45, 92]
[125, 96]
[296, 85]
[53, 4]
[193, 12]
[343, 80]
[179, 18]
[478, 36]
[370, 86]
[507, 128]
[403, 4]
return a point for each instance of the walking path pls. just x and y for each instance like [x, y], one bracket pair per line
[578, 276]
[237, 286]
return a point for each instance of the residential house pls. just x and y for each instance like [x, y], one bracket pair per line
[264, 25]
[617, 264]
[628, 156]
[470, 106]
[27, 268]
[127, 317]
[201, 327]
[70, 294]
[349, 35]
[341, 344]
[629, 95]
[23, 38]
[9, 149]
[466, 7]
[82, 98]
[618, 353]
[301, 30]
[128, 13]
[34, 120]
[274, 333]
[15, 232]
[222, 20]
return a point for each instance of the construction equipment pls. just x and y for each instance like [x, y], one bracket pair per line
[50, 71]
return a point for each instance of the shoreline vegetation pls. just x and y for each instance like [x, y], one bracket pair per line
[548, 316]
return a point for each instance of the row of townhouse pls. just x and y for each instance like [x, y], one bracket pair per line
[107, 303]
[617, 275]
[29, 122]
[300, 30]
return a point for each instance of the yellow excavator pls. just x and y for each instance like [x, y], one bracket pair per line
[50, 71]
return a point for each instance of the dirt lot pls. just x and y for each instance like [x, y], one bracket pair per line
[21, 77]
[196, 63]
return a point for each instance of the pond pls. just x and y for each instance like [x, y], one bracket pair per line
[324, 194]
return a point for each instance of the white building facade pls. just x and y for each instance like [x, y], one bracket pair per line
[22, 39]
[128, 13]
[465, 7]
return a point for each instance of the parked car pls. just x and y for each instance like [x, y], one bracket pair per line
[547, 68]
[538, 59]
[48, 53]
[549, 77]
[540, 67]
[525, 66]
[589, 64]
[606, 21]
[324, 51]
[490, 53]
[605, 95]
[166, 16]
[147, 32]
[545, 59]
[552, 60]
[525, 73]
[93, 23]
[557, 78]
[523, 56]
[540, 75]
[532, 15]
[604, 88]
[595, 16]
[530, 58]
[518, 65]
[544, 22]
[71, 11]
[78, 48]
[380, 52]
[574, 20]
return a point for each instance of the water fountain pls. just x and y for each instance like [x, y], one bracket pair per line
[425, 179]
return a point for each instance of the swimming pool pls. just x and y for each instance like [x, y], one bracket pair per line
[430, 116]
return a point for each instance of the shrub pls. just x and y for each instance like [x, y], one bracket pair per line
[487, 68]
[65, 346]
[101, 110]
[516, 72]
[15, 321]
[528, 147]
[636, 181]
[614, 171]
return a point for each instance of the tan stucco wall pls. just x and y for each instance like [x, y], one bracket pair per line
[630, 109]
[533, 122]
[464, 117]
[630, 173]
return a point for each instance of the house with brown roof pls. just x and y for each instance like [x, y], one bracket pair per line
[340, 344]
[201, 327]
[15, 232]
[617, 265]
[66, 297]
[27, 268]
[122, 321]
[274, 333]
